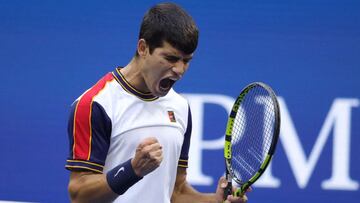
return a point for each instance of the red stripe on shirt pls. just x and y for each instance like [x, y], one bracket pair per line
[82, 130]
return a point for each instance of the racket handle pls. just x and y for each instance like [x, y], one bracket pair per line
[237, 193]
[228, 190]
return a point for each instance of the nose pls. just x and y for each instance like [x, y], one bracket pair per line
[179, 68]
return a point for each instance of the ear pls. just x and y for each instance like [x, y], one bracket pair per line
[142, 48]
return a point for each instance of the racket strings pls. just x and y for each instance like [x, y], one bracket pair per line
[252, 133]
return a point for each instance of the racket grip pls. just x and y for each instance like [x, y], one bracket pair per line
[227, 190]
[237, 193]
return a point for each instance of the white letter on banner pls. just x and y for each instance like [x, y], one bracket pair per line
[339, 116]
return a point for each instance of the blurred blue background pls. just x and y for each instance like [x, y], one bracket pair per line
[307, 50]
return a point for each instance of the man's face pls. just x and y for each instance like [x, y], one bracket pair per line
[163, 68]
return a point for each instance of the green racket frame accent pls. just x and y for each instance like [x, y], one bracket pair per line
[228, 133]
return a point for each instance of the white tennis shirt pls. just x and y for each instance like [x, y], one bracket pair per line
[111, 118]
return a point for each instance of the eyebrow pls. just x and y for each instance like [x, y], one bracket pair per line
[177, 56]
[188, 58]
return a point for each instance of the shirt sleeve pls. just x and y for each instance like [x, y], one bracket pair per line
[184, 156]
[89, 131]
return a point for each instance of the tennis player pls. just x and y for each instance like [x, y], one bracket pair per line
[130, 132]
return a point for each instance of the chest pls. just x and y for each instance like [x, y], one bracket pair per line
[134, 121]
[134, 115]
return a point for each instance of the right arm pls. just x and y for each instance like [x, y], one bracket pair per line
[88, 186]
[87, 159]
[87, 182]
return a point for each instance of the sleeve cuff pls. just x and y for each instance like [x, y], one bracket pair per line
[79, 165]
[183, 163]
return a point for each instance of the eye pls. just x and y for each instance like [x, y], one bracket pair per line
[186, 61]
[172, 59]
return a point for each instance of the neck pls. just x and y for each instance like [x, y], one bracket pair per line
[132, 74]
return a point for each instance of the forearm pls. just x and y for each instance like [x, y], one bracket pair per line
[186, 193]
[94, 187]
[196, 198]
[89, 187]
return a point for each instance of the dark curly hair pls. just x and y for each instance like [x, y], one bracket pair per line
[169, 22]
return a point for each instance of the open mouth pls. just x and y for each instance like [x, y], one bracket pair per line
[166, 84]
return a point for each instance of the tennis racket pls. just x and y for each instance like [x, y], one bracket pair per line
[252, 132]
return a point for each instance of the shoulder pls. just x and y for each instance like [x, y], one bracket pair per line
[98, 87]
[100, 94]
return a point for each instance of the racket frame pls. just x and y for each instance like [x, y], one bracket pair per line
[228, 135]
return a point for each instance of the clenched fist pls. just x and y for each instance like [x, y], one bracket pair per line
[148, 156]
